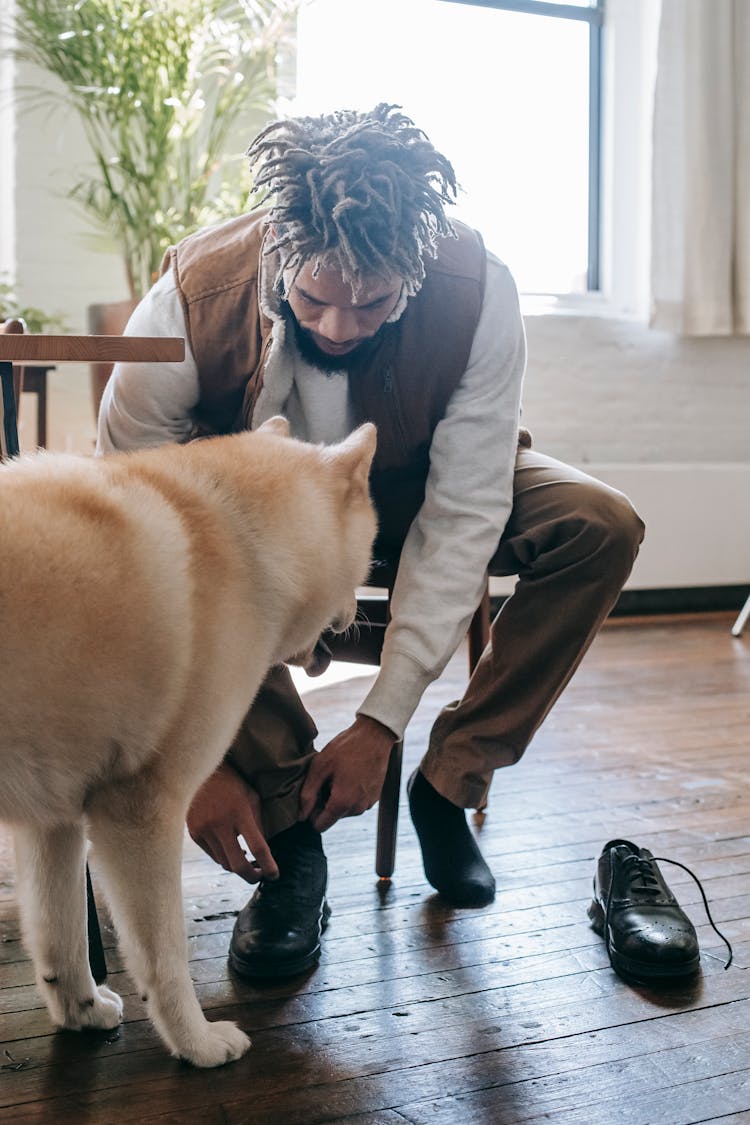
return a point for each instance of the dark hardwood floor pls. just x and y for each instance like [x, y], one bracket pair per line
[422, 1014]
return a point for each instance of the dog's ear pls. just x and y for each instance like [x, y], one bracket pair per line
[354, 455]
[276, 425]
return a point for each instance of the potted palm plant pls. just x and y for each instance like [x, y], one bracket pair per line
[168, 93]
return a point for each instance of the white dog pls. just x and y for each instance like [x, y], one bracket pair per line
[143, 598]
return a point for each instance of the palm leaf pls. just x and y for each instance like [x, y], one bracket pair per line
[163, 89]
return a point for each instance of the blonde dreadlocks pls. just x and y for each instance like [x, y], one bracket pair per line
[363, 191]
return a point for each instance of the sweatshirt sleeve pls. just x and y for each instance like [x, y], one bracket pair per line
[468, 499]
[147, 404]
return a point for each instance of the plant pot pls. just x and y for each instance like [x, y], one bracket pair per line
[108, 319]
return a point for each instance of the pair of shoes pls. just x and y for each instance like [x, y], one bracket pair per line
[647, 934]
[277, 933]
[452, 861]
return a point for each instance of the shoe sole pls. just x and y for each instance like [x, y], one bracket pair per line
[273, 969]
[265, 970]
[637, 970]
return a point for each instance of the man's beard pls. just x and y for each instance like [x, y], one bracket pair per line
[316, 357]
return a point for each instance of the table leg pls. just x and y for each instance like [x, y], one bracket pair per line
[8, 429]
[41, 412]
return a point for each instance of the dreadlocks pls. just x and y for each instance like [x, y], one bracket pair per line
[363, 191]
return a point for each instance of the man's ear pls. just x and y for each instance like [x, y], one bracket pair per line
[276, 425]
[354, 455]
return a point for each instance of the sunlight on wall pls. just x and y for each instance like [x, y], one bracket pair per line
[504, 95]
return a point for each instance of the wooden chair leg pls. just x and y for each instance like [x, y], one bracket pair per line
[479, 638]
[479, 629]
[385, 856]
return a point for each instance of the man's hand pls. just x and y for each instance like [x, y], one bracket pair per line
[346, 777]
[224, 808]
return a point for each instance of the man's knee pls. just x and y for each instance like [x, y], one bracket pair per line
[612, 523]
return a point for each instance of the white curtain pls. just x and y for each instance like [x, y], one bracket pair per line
[700, 264]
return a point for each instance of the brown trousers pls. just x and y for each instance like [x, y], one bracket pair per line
[572, 542]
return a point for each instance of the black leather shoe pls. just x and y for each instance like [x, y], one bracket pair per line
[452, 861]
[277, 934]
[648, 936]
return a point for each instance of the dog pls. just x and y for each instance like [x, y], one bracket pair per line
[144, 596]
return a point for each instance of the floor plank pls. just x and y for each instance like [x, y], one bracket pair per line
[421, 1013]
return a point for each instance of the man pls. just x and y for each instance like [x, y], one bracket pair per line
[353, 297]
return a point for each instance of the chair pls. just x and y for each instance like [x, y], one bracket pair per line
[16, 344]
[366, 649]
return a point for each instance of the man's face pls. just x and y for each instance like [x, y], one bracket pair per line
[331, 323]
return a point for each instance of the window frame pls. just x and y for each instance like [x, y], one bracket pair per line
[593, 15]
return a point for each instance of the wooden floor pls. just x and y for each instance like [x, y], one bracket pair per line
[422, 1014]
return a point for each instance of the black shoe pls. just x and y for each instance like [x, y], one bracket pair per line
[648, 936]
[277, 934]
[452, 861]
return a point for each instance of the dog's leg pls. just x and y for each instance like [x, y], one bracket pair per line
[140, 856]
[52, 893]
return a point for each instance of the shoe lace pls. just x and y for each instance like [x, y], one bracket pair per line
[642, 877]
[699, 885]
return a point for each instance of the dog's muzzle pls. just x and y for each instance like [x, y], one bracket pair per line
[318, 660]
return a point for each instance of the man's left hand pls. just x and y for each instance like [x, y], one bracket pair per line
[346, 777]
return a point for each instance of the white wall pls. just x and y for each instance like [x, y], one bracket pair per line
[7, 166]
[664, 419]
[602, 390]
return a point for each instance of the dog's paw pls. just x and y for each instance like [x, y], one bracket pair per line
[219, 1043]
[107, 1008]
[101, 1010]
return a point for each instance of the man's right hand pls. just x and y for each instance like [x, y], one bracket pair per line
[224, 808]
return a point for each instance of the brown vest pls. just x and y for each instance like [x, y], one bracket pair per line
[404, 386]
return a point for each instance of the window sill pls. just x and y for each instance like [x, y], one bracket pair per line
[575, 304]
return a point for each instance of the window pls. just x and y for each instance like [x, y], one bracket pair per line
[507, 89]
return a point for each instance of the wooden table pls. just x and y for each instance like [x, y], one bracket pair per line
[40, 349]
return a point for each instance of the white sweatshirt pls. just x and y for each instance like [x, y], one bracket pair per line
[469, 485]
